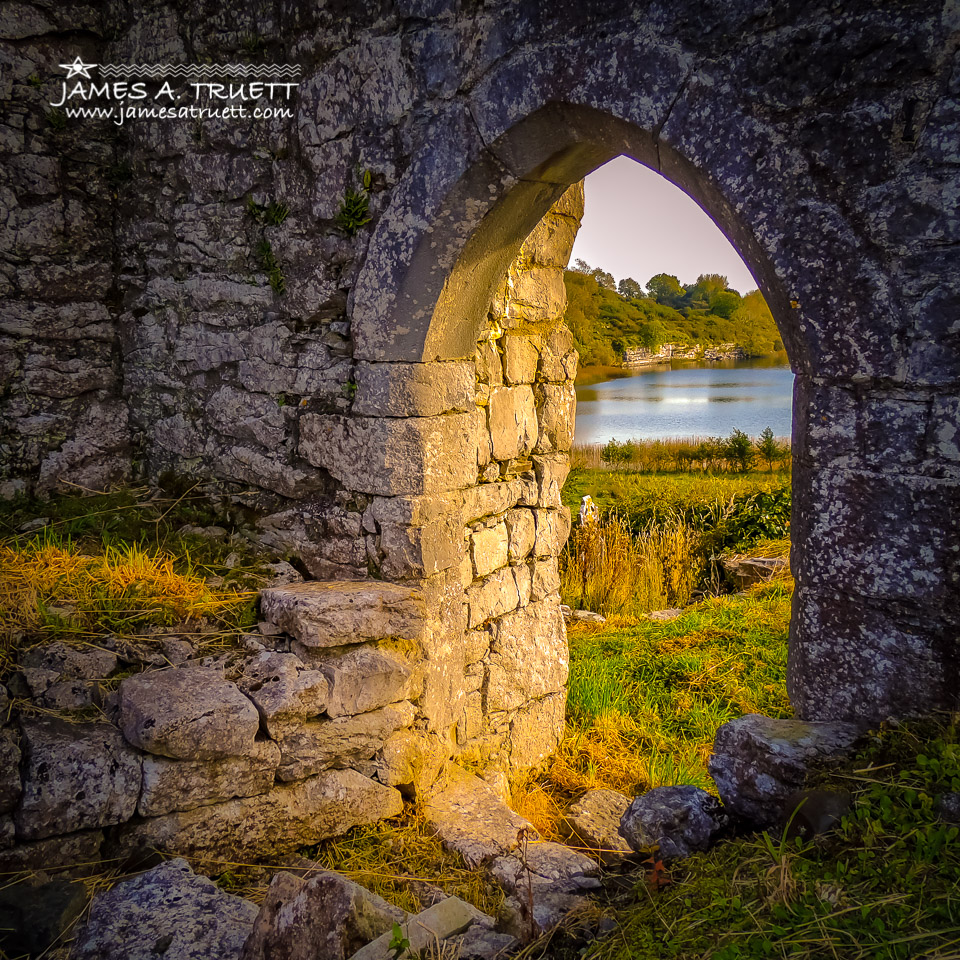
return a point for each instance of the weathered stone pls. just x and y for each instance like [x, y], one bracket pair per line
[593, 821]
[495, 595]
[68, 695]
[413, 389]
[167, 911]
[333, 614]
[472, 820]
[549, 911]
[488, 549]
[410, 760]
[520, 358]
[746, 571]
[556, 406]
[77, 854]
[551, 473]
[289, 816]
[321, 744]
[392, 457]
[536, 730]
[75, 775]
[435, 924]
[757, 762]
[481, 942]
[365, 679]
[546, 867]
[553, 528]
[187, 713]
[9, 770]
[538, 295]
[675, 821]
[512, 421]
[522, 531]
[170, 785]
[545, 580]
[35, 916]
[69, 662]
[327, 916]
[284, 691]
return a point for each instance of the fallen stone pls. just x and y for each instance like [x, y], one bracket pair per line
[472, 820]
[330, 614]
[176, 650]
[170, 785]
[326, 916]
[68, 695]
[947, 806]
[437, 923]
[581, 616]
[166, 912]
[206, 533]
[549, 910]
[77, 663]
[481, 942]
[321, 744]
[75, 775]
[670, 613]
[289, 816]
[746, 571]
[593, 821]
[9, 770]
[283, 573]
[187, 713]
[547, 867]
[677, 821]
[34, 917]
[284, 691]
[363, 680]
[758, 762]
[39, 680]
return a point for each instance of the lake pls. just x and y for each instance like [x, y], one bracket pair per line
[684, 399]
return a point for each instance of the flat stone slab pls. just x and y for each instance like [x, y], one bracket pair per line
[472, 820]
[677, 821]
[547, 867]
[167, 912]
[331, 614]
[593, 821]
[289, 816]
[75, 776]
[758, 762]
[188, 713]
[443, 920]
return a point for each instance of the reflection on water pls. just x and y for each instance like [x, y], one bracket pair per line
[690, 399]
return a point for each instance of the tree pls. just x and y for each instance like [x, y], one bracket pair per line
[665, 288]
[724, 303]
[629, 288]
[581, 266]
[769, 449]
[603, 278]
[738, 451]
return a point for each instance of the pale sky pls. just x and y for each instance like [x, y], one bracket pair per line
[638, 224]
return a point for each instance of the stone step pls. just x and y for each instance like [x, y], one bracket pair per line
[334, 613]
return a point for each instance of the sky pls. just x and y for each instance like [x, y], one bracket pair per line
[638, 224]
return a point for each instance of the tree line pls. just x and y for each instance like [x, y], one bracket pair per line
[607, 318]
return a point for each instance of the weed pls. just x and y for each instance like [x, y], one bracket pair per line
[354, 211]
[56, 120]
[271, 266]
[34, 80]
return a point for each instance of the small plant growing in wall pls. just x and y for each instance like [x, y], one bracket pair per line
[271, 265]
[56, 120]
[354, 211]
[271, 214]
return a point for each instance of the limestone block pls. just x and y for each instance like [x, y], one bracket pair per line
[322, 744]
[77, 853]
[289, 816]
[538, 295]
[75, 775]
[757, 762]
[411, 759]
[522, 530]
[434, 925]
[571, 203]
[558, 358]
[188, 713]
[413, 389]
[545, 578]
[493, 596]
[331, 614]
[9, 771]
[553, 528]
[520, 359]
[528, 656]
[326, 916]
[284, 691]
[363, 680]
[420, 551]
[676, 821]
[489, 364]
[512, 420]
[593, 821]
[551, 473]
[489, 498]
[488, 549]
[169, 905]
[396, 456]
[536, 730]
[547, 866]
[551, 241]
[87, 663]
[472, 820]
[170, 785]
[556, 408]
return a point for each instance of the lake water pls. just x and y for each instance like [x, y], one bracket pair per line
[685, 399]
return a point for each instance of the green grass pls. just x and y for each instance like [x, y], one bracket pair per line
[884, 886]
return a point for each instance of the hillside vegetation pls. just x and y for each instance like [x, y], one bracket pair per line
[607, 318]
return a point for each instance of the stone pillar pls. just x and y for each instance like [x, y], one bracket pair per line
[454, 470]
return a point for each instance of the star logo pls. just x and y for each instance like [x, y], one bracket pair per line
[78, 68]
